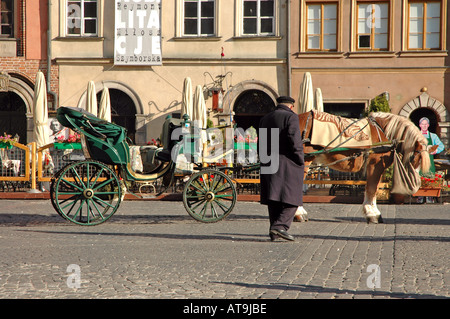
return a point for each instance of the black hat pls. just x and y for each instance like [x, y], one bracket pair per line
[285, 99]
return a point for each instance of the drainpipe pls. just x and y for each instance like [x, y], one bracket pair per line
[288, 44]
[49, 57]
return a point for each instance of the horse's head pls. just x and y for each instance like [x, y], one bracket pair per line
[421, 156]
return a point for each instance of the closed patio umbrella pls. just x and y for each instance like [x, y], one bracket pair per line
[91, 99]
[186, 102]
[40, 112]
[199, 116]
[199, 108]
[306, 98]
[104, 111]
[318, 100]
[41, 134]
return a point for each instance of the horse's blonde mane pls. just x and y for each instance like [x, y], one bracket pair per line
[403, 130]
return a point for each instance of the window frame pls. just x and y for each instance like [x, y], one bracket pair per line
[372, 31]
[82, 33]
[321, 35]
[258, 20]
[424, 17]
[12, 24]
[198, 18]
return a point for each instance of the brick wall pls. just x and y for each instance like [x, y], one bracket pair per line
[27, 70]
[20, 66]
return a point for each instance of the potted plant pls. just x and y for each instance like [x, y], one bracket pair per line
[379, 104]
[7, 141]
[431, 185]
[73, 142]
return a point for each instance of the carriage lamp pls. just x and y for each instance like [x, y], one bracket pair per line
[217, 102]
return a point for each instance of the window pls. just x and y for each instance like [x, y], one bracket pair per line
[321, 27]
[6, 19]
[82, 18]
[424, 25]
[199, 17]
[373, 26]
[258, 17]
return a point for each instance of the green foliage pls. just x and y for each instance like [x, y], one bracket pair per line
[388, 175]
[379, 104]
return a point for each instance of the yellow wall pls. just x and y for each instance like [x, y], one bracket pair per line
[158, 88]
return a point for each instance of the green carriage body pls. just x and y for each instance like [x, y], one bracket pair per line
[89, 192]
[107, 142]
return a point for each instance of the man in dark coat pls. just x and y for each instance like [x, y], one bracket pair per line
[282, 183]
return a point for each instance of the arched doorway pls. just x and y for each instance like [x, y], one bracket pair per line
[426, 106]
[13, 119]
[123, 111]
[417, 114]
[16, 103]
[250, 107]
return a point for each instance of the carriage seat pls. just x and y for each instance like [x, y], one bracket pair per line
[148, 155]
[170, 124]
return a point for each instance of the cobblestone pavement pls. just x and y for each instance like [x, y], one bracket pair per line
[155, 250]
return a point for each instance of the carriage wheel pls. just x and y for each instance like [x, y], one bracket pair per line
[86, 192]
[209, 196]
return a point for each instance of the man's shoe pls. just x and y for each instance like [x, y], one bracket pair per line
[273, 237]
[279, 233]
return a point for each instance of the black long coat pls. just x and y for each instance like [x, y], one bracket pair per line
[286, 184]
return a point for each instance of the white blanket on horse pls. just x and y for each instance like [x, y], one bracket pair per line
[340, 131]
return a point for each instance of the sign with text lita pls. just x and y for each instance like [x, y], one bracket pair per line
[138, 32]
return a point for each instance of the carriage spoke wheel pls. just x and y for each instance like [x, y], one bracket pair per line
[86, 192]
[209, 196]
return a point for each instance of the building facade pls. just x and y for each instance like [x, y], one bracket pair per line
[23, 52]
[243, 53]
[235, 46]
[356, 50]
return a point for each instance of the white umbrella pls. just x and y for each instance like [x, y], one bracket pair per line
[318, 100]
[186, 102]
[40, 112]
[199, 108]
[306, 99]
[199, 116]
[104, 111]
[91, 99]
[41, 134]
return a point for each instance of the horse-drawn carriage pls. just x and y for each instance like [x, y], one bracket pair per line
[89, 192]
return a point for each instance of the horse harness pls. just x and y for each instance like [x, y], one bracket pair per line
[381, 147]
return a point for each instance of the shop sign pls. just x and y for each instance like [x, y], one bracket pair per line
[138, 32]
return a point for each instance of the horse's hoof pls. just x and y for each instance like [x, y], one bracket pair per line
[372, 220]
[300, 218]
[380, 220]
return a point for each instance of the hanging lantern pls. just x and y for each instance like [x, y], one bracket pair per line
[217, 102]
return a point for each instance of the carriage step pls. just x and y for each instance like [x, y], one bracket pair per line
[147, 196]
[141, 196]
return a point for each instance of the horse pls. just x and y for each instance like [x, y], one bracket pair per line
[391, 133]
